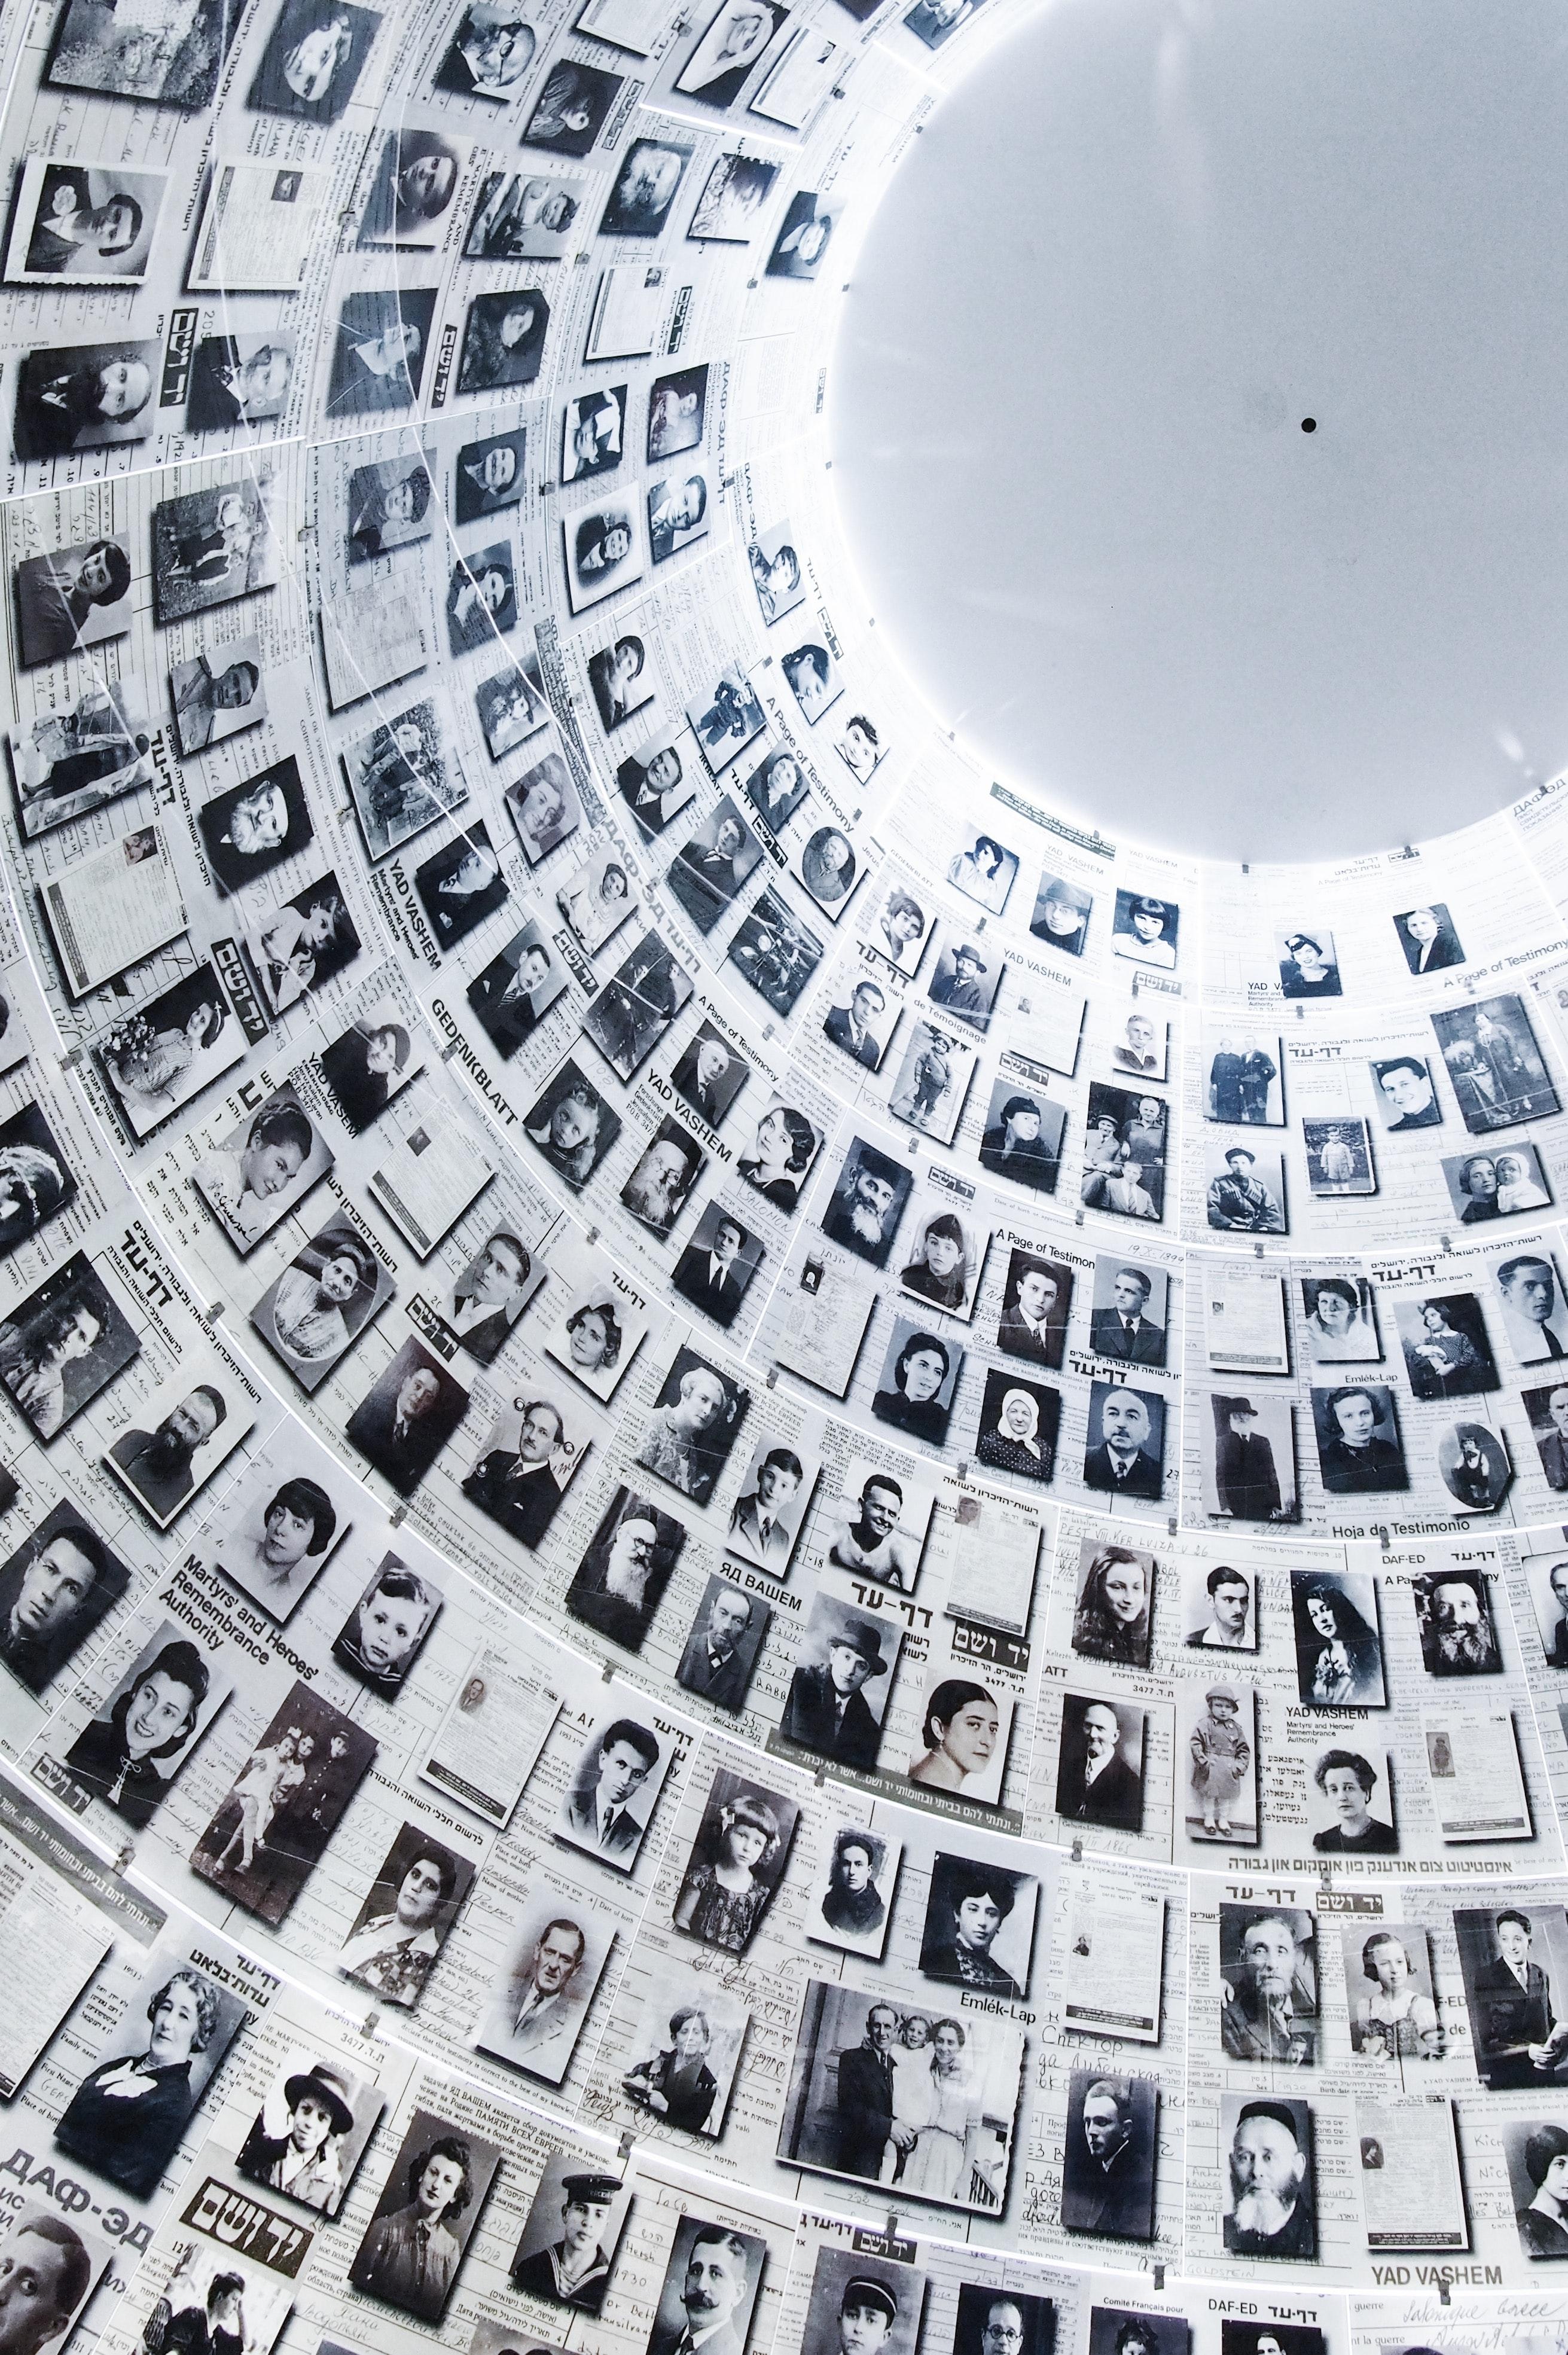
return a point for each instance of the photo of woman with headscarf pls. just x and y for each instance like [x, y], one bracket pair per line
[1017, 1427]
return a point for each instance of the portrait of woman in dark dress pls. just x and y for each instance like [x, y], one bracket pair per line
[119, 1756]
[913, 1402]
[676, 2083]
[126, 2116]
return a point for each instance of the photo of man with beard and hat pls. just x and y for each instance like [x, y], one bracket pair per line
[165, 1468]
[868, 1202]
[1270, 2211]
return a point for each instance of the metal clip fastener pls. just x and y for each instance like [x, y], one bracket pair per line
[1078, 1852]
[214, 1313]
[607, 1672]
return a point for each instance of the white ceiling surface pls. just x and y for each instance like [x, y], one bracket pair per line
[1124, 259]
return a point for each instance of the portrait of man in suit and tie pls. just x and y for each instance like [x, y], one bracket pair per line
[612, 1792]
[1520, 2039]
[721, 1650]
[1534, 1312]
[1548, 1412]
[541, 1998]
[717, 1265]
[1126, 1447]
[1125, 1327]
[1033, 1322]
[827, 1711]
[765, 1518]
[407, 1417]
[710, 1074]
[1095, 1782]
[709, 2290]
[853, 1027]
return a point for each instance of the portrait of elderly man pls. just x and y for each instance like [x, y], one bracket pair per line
[717, 1661]
[60, 1584]
[868, 1203]
[1127, 1450]
[827, 1711]
[657, 1189]
[1457, 1636]
[719, 2271]
[159, 1465]
[1094, 1784]
[392, 1951]
[575, 2269]
[1271, 2210]
[1108, 2164]
[1268, 2008]
[1534, 1312]
[689, 1434]
[45, 2274]
[625, 1569]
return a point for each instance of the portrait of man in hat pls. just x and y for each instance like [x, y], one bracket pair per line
[827, 1711]
[1270, 2181]
[868, 1203]
[960, 983]
[574, 2270]
[306, 2159]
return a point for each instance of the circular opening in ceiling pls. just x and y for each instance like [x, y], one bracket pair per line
[1068, 417]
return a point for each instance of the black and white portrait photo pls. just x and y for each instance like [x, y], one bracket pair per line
[777, 789]
[983, 870]
[1016, 1431]
[945, 2107]
[1270, 2207]
[736, 190]
[947, 1253]
[92, 50]
[56, 1588]
[1125, 1453]
[932, 1081]
[1548, 1412]
[1339, 1158]
[379, 353]
[726, 718]
[309, 2134]
[571, 110]
[556, 1955]
[63, 1343]
[516, 990]
[677, 514]
[320, 1304]
[1126, 1138]
[880, 1525]
[1244, 1082]
[614, 1788]
[269, 1833]
[382, 1636]
[1338, 1646]
[405, 1915]
[177, 1440]
[522, 216]
[713, 864]
[1109, 2156]
[1535, 1313]
[1360, 1451]
[1308, 964]
[803, 239]
[1428, 939]
[511, 708]
[490, 51]
[964, 1730]
[253, 827]
[211, 546]
[36, 1178]
[692, 1428]
[720, 1651]
[717, 69]
[482, 598]
[965, 981]
[860, 1022]
[414, 182]
[84, 397]
[838, 1692]
[616, 677]
[76, 597]
[1498, 1183]
[618, 1582]
[569, 2237]
[658, 1185]
[1245, 1190]
[775, 952]
[407, 1416]
[712, 2276]
[545, 810]
[656, 782]
[524, 1465]
[645, 188]
[389, 504]
[1220, 1611]
[687, 2049]
[866, 1204]
[86, 223]
[1143, 1045]
[262, 1170]
[677, 409]
[593, 433]
[127, 2116]
[736, 1862]
[303, 943]
[1446, 1351]
[708, 1075]
[1113, 1615]
[1099, 1768]
[862, 2305]
[312, 59]
[1036, 1299]
[1128, 1312]
[414, 2242]
[488, 475]
[1145, 929]
[604, 552]
[130, 1752]
[1253, 1472]
[279, 1529]
[1514, 1961]
[403, 775]
[1454, 1618]
[1269, 1993]
[1405, 1094]
[1388, 1979]
[1339, 1319]
[240, 382]
[637, 1006]
[461, 884]
[918, 1381]
[503, 341]
[1350, 1803]
[572, 1126]
[979, 1926]
[715, 1271]
[597, 1333]
[1061, 912]
[66, 764]
[1494, 1064]
[853, 1894]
